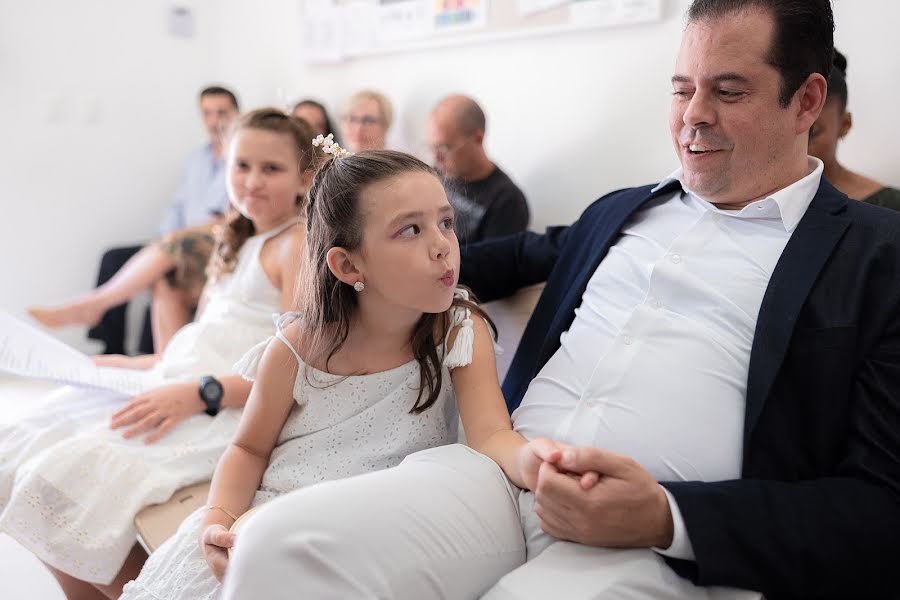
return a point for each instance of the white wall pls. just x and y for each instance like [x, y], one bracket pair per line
[97, 112]
[570, 116]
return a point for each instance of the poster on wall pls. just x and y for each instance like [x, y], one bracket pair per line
[401, 20]
[605, 13]
[530, 7]
[459, 15]
[322, 27]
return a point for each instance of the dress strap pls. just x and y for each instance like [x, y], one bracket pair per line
[248, 365]
[460, 354]
[276, 230]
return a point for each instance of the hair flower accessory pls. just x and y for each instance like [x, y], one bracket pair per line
[329, 146]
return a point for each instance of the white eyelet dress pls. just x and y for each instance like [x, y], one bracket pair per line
[338, 427]
[70, 486]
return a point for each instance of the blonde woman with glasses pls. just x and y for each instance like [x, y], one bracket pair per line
[366, 121]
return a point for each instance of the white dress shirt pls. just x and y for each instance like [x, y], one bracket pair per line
[655, 364]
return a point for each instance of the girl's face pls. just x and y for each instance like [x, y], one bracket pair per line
[264, 177]
[409, 255]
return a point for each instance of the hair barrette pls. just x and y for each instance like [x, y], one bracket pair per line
[329, 146]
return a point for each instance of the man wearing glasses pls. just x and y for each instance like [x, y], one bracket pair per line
[488, 204]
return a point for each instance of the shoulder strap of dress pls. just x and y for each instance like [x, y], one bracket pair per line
[460, 354]
[280, 323]
[248, 365]
[275, 231]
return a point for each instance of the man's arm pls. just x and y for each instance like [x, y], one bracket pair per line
[827, 537]
[497, 268]
[831, 536]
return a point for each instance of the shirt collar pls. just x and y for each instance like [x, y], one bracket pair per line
[791, 201]
[208, 153]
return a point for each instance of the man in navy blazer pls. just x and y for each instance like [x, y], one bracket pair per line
[717, 357]
[816, 510]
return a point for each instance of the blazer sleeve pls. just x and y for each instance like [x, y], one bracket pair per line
[497, 268]
[831, 537]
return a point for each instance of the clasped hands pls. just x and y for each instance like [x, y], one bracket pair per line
[595, 497]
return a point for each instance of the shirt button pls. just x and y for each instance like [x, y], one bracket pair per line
[657, 303]
[591, 402]
[627, 340]
[675, 258]
[760, 207]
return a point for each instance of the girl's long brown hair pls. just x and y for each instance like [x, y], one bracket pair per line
[230, 237]
[327, 305]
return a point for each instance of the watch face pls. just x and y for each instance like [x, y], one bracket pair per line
[212, 390]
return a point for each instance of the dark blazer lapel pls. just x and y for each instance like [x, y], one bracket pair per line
[602, 234]
[803, 258]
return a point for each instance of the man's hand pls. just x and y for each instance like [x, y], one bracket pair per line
[158, 411]
[623, 507]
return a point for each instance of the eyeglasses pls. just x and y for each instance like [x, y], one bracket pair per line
[364, 120]
[446, 149]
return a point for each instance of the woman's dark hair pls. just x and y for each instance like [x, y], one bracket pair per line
[327, 305]
[803, 42]
[237, 228]
[329, 125]
[837, 81]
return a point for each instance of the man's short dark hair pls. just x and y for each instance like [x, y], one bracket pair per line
[803, 41]
[217, 90]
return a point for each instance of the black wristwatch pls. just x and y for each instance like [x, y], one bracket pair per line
[211, 392]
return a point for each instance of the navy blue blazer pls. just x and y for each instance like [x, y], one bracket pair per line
[817, 510]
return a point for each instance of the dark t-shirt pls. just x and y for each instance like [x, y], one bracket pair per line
[489, 208]
[887, 197]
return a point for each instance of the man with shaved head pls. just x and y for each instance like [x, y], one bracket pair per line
[488, 204]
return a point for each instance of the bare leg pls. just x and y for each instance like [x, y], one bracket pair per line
[143, 269]
[130, 570]
[75, 589]
[170, 310]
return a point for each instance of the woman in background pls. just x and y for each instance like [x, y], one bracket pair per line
[831, 126]
[314, 113]
[365, 123]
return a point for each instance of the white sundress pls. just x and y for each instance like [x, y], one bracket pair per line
[70, 486]
[339, 427]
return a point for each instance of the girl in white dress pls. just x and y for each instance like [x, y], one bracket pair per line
[70, 481]
[372, 367]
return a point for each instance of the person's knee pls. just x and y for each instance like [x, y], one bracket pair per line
[118, 256]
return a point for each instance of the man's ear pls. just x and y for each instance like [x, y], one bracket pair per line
[810, 100]
[479, 136]
[846, 124]
[343, 265]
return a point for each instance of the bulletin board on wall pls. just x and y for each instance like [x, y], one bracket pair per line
[337, 30]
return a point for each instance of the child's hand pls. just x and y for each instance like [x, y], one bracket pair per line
[532, 454]
[121, 361]
[118, 361]
[215, 542]
[588, 480]
[158, 411]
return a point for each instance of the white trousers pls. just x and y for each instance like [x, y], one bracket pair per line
[447, 524]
